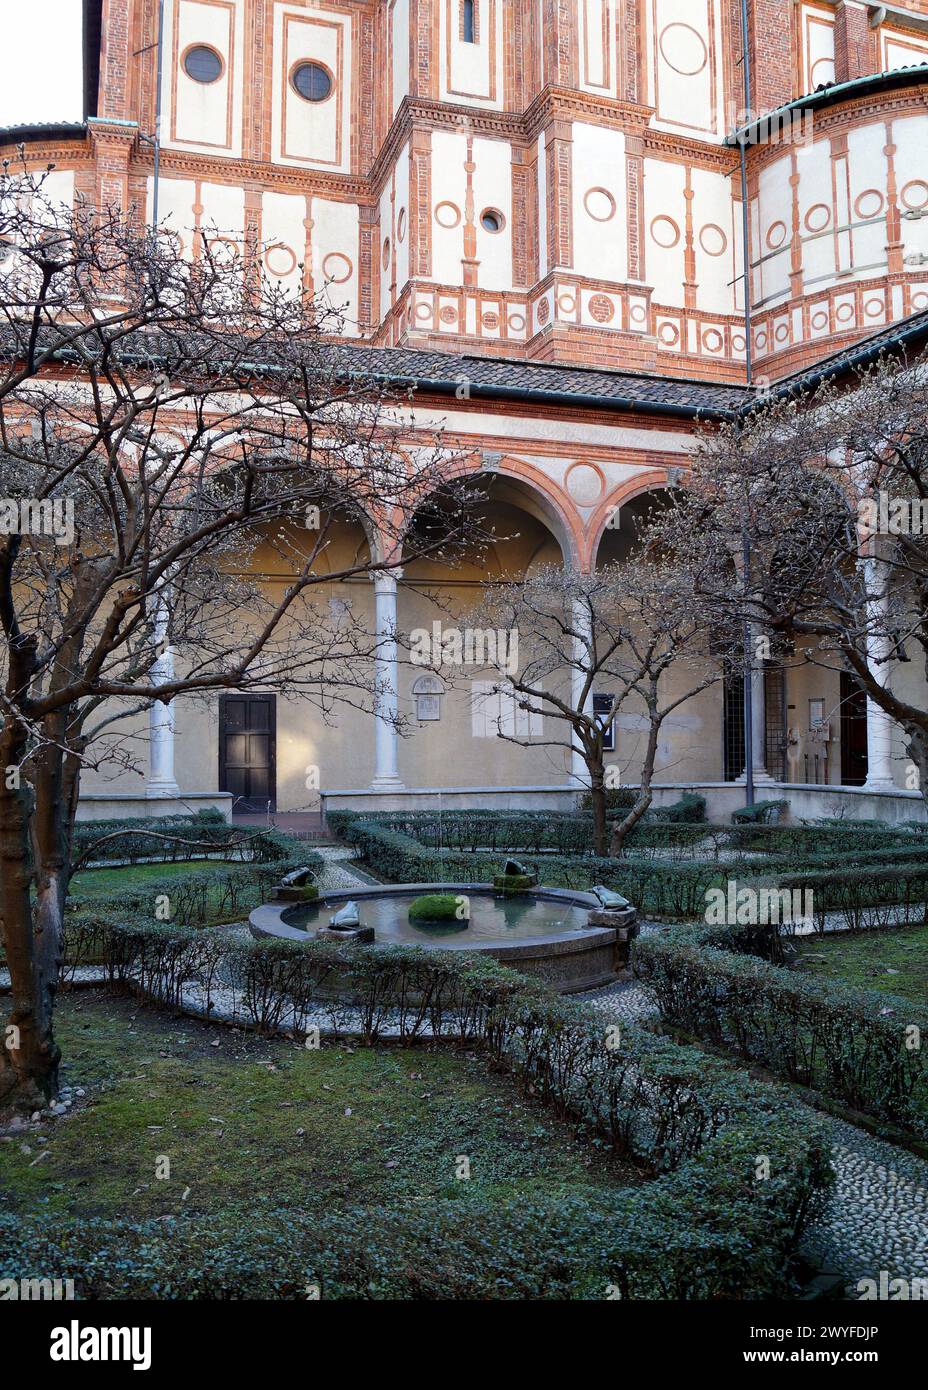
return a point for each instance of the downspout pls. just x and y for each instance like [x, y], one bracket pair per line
[749, 364]
[159, 68]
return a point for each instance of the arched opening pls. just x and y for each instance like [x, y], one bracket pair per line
[514, 530]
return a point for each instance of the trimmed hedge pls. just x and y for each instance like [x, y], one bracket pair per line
[137, 837]
[877, 896]
[219, 893]
[706, 1227]
[854, 1045]
[564, 832]
[655, 887]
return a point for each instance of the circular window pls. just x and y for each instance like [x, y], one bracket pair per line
[311, 81]
[203, 64]
[447, 215]
[492, 220]
[401, 225]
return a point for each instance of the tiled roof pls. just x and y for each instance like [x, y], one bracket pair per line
[39, 130]
[506, 379]
[911, 332]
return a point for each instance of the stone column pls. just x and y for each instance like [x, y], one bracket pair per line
[758, 721]
[879, 724]
[580, 623]
[161, 780]
[386, 777]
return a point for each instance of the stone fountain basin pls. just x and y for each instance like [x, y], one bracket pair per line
[577, 958]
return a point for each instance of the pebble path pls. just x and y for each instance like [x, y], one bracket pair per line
[877, 1217]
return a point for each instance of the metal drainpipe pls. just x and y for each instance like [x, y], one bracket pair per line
[157, 170]
[748, 352]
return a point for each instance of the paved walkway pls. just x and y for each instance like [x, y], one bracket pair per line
[877, 1218]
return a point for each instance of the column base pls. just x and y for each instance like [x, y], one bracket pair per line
[162, 789]
[880, 784]
[387, 784]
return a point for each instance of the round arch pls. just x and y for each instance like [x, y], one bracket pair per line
[654, 480]
[520, 484]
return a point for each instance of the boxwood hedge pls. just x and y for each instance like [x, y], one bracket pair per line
[860, 1047]
[707, 1226]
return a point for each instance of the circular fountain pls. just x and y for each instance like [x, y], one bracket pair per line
[574, 941]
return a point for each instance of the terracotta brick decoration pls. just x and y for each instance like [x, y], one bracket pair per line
[854, 41]
[558, 189]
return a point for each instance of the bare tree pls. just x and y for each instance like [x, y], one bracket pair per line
[623, 630]
[163, 421]
[827, 492]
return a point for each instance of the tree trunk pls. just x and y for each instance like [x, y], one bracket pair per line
[621, 832]
[598, 799]
[29, 1064]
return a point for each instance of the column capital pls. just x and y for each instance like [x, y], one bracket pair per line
[385, 581]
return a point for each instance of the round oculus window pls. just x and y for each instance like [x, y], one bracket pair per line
[312, 81]
[202, 64]
[491, 220]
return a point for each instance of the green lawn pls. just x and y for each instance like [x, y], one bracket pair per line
[247, 1121]
[894, 962]
[91, 883]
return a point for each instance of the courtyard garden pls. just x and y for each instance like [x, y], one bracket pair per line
[233, 1125]
[245, 1116]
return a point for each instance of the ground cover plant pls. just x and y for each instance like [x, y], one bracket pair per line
[703, 1226]
[888, 962]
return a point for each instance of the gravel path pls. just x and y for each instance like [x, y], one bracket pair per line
[877, 1218]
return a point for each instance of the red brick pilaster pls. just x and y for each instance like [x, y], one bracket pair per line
[854, 40]
[372, 91]
[770, 38]
[112, 147]
[420, 203]
[257, 85]
[559, 155]
[559, 39]
[523, 196]
[634, 183]
[634, 85]
[368, 268]
[424, 48]
[115, 61]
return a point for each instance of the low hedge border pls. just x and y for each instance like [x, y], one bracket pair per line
[707, 1226]
[139, 838]
[855, 1046]
[221, 893]
[566, 832]
[657, 888]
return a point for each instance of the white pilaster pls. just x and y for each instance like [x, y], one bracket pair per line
[161, 780]
[580, 624]
[386, 776]
[879, 724]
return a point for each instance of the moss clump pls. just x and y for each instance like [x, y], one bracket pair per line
[310, 892]
[514, 884]
[439, 907]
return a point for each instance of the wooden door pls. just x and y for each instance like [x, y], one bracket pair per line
[247, 751]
